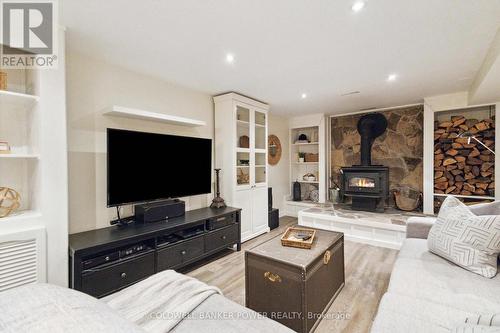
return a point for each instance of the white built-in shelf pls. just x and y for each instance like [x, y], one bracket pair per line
[243, 123]
[21, 215]
[260, 151]
[124, 112]
[20, 156]
[305, 144]
[259, 125]
[465, 196]
[308, 181]
[260, 166]
[243, 150]
[305, 163]
[243, 166]
[14, 99]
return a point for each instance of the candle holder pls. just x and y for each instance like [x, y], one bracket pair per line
[217, 202]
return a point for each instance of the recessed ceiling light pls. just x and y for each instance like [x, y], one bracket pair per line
[230, 58]
[303, 96]
[357, 6]
[392, 77]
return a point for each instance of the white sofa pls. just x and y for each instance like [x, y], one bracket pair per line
[429, 294]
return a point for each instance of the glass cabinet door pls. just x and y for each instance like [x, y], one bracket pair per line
[260, 130]
[243, 142]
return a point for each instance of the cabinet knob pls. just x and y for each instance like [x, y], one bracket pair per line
[224, 237]
[106, 259]
[183, 252]
[123, 275]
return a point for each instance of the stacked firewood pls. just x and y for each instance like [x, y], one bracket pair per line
[463, 167]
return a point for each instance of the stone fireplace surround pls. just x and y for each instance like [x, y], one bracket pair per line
[400, 148]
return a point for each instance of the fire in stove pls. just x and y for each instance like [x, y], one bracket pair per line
[361, 182]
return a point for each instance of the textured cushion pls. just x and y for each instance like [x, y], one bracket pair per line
[484, 320]
[470, 241]
[44, 308]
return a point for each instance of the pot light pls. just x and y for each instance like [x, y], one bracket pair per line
[303, 96]
[357, 6]
[392, 77]
[230, 58]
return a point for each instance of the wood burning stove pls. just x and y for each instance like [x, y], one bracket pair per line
[367, 184]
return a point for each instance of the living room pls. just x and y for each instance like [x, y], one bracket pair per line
[199, 166]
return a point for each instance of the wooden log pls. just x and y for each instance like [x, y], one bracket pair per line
[464, 192]
[458, 122]
[456, 145]
[456, 172]
[457, 117]
[438, 151]
[469, 145]
[486, 158]
[452, 152]
[451, 167]
[439, 156]
[438, 174]
[471, 122]
[441, 179]
[469, 176]
[486, 173]
[445, 124]
[469, 187]
[479, 191]
[459, 178]
[450, 189]
[474, 161]
[464, 127]
[440, 131]
[449, 161]
[441, 186]
[461, 140]
[482, 126]
[438, 192]
[461, 165]
[486, 166]
[492, 185]
[460, 158]
[459, 185]
[474, 153]
[475, 171]
[483, 186]
[437, 163]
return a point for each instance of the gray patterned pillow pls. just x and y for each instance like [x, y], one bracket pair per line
[470, 241]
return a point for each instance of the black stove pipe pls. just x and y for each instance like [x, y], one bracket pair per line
[370, 127]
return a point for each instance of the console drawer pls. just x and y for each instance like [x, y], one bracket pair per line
[221, 221]
[221, 238]
[99, 282]
[175, 255]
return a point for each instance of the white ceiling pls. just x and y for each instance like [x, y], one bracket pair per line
[283, 48]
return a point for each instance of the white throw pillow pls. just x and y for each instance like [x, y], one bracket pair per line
[470, 241]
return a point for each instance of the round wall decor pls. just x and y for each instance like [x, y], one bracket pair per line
[10, 200]
[274, 151]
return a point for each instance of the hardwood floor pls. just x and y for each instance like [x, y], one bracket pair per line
[367, 270]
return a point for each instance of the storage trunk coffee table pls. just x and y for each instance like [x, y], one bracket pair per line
[295, 286]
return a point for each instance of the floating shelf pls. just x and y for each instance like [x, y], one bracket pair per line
[14, 99]
[20, 156]
[465, 196]
[308, 181]
[243, 150]
[305, 163]
[120, 111]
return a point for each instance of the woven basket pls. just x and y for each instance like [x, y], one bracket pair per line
[310, 157]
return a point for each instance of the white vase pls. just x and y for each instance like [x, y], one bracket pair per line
[301, 160]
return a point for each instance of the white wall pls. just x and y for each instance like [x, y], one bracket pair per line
[279, 173]
[92, 86]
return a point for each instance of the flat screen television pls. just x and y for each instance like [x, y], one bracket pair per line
[144, 167]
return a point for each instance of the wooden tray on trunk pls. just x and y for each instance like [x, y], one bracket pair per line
[290, 238]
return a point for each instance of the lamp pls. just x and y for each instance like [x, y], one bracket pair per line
[470, 136]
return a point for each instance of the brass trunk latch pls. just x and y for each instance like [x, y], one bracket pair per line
[272, 277]
[327, 257]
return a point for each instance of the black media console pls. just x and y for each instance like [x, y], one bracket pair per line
[106, 260]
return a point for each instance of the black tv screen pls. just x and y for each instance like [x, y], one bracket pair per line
[146, 167]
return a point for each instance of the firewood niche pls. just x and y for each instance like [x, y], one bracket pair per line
[461, 167]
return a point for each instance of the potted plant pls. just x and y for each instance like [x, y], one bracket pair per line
[302, 157]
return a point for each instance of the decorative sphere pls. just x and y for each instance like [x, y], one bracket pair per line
[10, 201]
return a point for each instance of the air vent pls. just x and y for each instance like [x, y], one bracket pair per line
[350, 93]
[22, 259]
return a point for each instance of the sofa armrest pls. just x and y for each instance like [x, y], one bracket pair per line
[489, 208]
[419, 227]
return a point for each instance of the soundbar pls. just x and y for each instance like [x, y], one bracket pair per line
[159, 211]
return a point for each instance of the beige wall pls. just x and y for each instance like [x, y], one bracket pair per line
[279, 173]
[93, 86]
